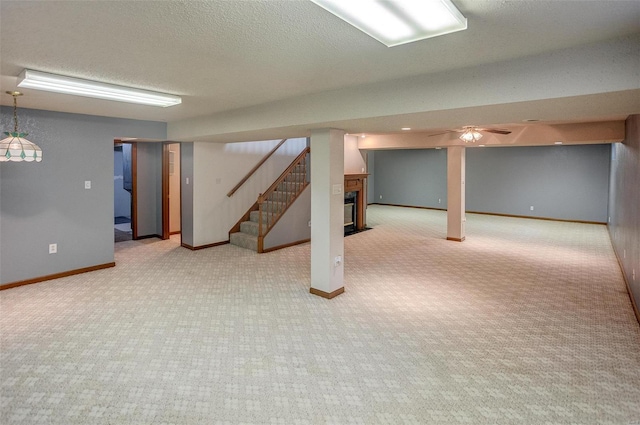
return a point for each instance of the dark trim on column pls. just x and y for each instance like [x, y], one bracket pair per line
[326, 295]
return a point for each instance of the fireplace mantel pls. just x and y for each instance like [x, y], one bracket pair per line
[356, 183]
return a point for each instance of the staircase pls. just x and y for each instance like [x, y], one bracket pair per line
[256, 223]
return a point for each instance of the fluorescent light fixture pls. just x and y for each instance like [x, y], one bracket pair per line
[61, 84]
[399, 21]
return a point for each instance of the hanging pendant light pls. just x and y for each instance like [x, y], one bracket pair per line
[15, 147]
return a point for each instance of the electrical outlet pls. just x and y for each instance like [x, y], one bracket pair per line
[187, 180]
[633, 274]
[53, 248]
[380, 196]
[337, 261]
[531, 207]
[87, 184]
[439, 200]
[309, 223]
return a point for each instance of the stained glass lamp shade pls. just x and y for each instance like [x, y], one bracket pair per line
[15, 147]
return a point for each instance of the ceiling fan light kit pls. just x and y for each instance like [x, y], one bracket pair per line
[471, 135]
[398, 22]
[79, 87]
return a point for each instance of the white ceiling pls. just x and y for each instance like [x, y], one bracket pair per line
[223, 56]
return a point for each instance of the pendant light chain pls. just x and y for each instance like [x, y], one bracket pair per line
[15, 113]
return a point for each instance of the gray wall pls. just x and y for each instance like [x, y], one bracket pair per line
[416, 177]
[43, 203]
[624, 204]
[149, 189]
[186, 193]
[562, 182]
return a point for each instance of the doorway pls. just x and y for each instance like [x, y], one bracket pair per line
[171, 203]
[124, 191]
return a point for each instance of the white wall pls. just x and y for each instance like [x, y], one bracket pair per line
[460, 95]
[354, 162]
[217, 168]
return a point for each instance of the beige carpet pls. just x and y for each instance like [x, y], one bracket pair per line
[526, 322]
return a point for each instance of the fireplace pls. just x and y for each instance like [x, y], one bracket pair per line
[350, 217]
[354, 202]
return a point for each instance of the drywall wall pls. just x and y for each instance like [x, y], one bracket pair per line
[624, 204]
[149, 189]
[562, 182]
[371, 179]
[121, 197]
[217, 168]
[354, 162]
[44, 203]
[487, 93]
[411, 177]
[293, 226]
[186, 193]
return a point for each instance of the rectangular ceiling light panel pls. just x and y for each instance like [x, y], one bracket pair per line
[395, 22]
[79, 87]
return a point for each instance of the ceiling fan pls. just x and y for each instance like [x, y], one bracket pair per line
[472, 133]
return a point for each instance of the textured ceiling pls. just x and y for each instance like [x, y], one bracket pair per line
[226, 55]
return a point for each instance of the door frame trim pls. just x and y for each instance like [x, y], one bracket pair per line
[134, 185]
[166, 234]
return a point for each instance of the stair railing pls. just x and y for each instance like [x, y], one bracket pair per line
[273, 203]
[254, 169]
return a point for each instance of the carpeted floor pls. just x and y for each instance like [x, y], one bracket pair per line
[120, 236]
[526, 322]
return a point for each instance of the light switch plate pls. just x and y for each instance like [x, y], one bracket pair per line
[337, 189]
[87, 184]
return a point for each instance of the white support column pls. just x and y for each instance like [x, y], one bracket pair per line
[327, 212]
[456, 193]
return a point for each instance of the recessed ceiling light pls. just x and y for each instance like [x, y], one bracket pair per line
[438, 147]
[363, 136]
[400, 21]
[406, 128]
[482, 146]
[557, 143]
[531, 120]
[79, 87]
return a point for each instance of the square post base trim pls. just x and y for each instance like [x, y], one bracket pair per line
[455, 239]
[326, 295]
